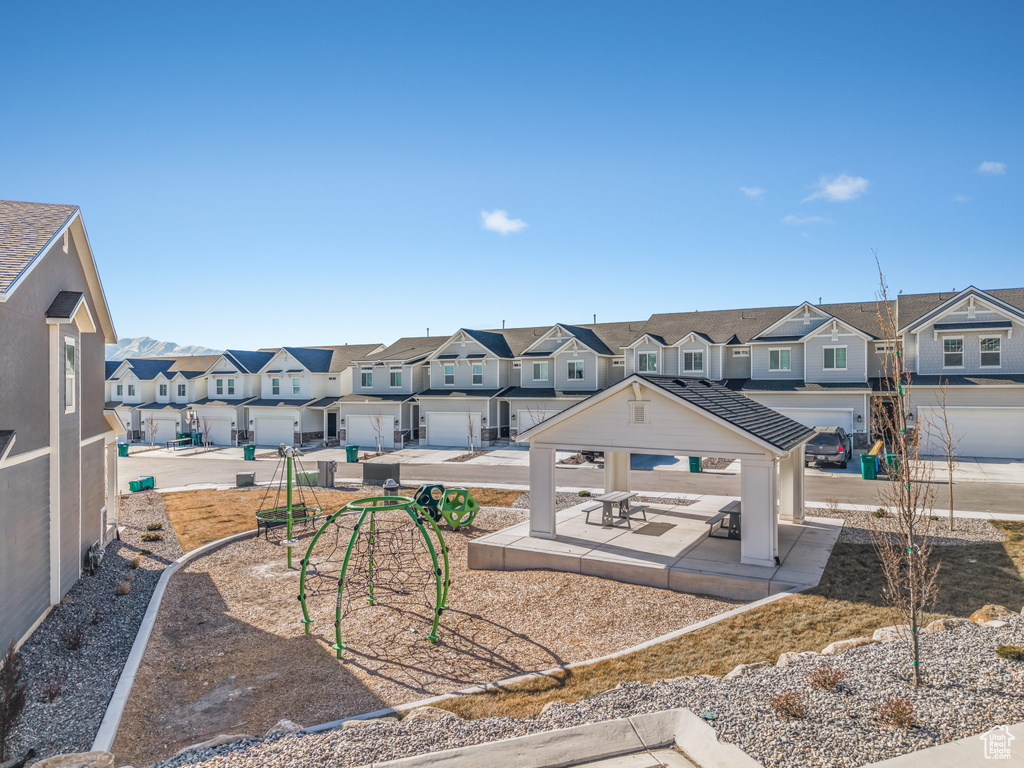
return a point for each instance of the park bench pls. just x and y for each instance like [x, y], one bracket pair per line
[730, 511]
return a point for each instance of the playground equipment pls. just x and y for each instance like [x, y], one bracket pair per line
[274, 516]
[456, 506]
[386, 551]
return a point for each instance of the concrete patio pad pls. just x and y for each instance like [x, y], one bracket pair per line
[671, 550]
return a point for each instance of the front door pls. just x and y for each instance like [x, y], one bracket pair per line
[332, 426]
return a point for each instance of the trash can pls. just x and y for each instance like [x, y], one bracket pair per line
[352, 453]
[892, 463]
[868, 465]
[390, 487]
[122, 449]
[695, 463]
[249, 452]
[134, 486]
[147, 482]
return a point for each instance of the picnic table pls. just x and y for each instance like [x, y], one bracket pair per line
[181, 442]
[732, 511]
[607, 503]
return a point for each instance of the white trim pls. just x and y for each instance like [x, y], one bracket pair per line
[962, 353]
[683, 370]
[56, 372]
[21, 458]
[657, 361]
[981, 341]
[646, 336]
[950, 304]
[791, 315]
[547, 369]
[788, 368]
[835, 321]
[846, 356]
[94, 438]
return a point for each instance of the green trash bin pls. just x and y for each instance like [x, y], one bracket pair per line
[868, 466]
[695, 463]
[352, 453]
[134, 486]
[147, 482]
[249, 452]
[892, 463]
[122, 449]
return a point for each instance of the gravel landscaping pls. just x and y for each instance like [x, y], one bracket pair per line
[69, 686]
[858, 527]
[968, 690]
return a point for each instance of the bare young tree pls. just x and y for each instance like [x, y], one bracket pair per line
[206, 426]
[942, 435]
[378, 423]
[152, 427]
[902, 538]
[470, 432]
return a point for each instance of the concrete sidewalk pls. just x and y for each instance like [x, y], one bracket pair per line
[974, 750]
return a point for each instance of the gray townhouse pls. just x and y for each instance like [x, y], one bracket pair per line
[58, 465]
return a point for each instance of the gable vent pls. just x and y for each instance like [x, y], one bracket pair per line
[637, 412]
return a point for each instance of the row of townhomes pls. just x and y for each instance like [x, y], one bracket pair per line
[58, 452]
[820, 364]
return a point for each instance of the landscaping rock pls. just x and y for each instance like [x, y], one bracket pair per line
[218, 740]
[941, 625]
[996, 624]
[745, 669]
[789, 657]
[888, 634]
[991, 613]
[369, 721]
[431, 714]
[844, 645]
[550, 704]
[96, 759]
[285, 726]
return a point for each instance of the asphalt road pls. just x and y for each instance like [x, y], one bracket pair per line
[842, 488]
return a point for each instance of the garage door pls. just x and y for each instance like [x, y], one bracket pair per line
[274, 431]
[219, 431]
[994, 433]
[821, 417]
[452, 429]
[164, 429]
[526, 419]
[362, 431]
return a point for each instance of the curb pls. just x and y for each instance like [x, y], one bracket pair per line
[104, 740]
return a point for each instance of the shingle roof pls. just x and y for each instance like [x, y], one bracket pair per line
[315, 360]
[862, 315]
[25, 229]
[147, 368]
[343, 356]
[162, 407]
[914, 306]
[375, 398]
[967, 381]
[461, 392]
[542, 393]
[249, 362]
[6, 440]
[718, 325]
[191, 366]
[792, 385]
[222, 401]
[324, 402]
[748, 415]
[409, 349]
[276, 402]
[110, 366]
[969, 326]
[493, 341]
[64, 304]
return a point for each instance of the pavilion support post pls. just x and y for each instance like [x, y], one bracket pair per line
[616, 471]
[791, 487]
[542, 492]
[759, 542]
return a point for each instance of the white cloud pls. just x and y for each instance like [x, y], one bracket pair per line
[799, 221]
[839, 189]
[498, 221]
[961, 198]
[754, 193]
[990, 168]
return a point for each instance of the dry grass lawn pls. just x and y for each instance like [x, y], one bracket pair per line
[846, 604]
[200, 517]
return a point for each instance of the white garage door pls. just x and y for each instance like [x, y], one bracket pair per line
[274, 431]
[452, 429]
[219, 431]
[362, 431]
[821, 417]
[164, 429]
[995, 433]
[525, 419]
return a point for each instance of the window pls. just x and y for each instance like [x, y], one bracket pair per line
[778, 360]
[647, 362]
[120, 390]
[741, 353]
[618, 361]
[449, 373]
[991, 355]
[478, 373]
[231, 386]
[131, 390]
[396, 376]
[575, 370]
[953, 353]
[540, 371]
[69, 373]
[220, 386]
[835, 358]
[181, 390]
[693, 361]
[637, 412]
[366, 377]
[275, 386]
[296, 386]
[163, 390]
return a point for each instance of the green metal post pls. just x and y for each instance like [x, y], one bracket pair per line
[288, 461]
[369, 554]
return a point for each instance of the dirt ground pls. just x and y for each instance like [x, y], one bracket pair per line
[200, 517]
[228, 653]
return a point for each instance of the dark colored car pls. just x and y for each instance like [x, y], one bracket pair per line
[593, 455]
[832, 445]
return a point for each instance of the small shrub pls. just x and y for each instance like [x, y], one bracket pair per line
[898, 712]
[154, 526]
[144, 553]
[124, 587]
[135, 562]
[152, 537]
[72, 636]
[584, 494]
[879, 513]
[55, 683]
[832, 506]
[827, 677]
[1011, 652]
[789, 704]
[130, 576]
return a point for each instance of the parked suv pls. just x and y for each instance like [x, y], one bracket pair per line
[832, 445]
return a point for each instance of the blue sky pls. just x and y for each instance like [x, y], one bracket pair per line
[262, 174]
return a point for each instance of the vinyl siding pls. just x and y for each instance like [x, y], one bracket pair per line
[736, 367]
[856, 352]
[676, 366]
[931, 355]
[979, 396]
[795, 327]
[528, 375]
[24, 547]
[381, 383]
[590, 381]
[93, 496]
[647, 346]
[856, 401]
[70, 479]
[759, 358]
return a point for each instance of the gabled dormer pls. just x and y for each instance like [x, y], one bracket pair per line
[645, 354]
[795, 324]
[470, 359]
[285, 377]
[836, 351]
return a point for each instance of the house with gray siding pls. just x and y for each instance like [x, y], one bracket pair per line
[57, 442]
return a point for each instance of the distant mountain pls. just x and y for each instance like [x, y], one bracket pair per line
[144, 346]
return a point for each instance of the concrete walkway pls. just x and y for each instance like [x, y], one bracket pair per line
[658, 758]
[974, 750]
